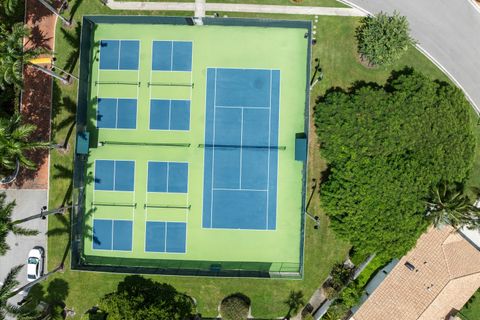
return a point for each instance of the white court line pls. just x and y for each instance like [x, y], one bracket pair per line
[168, 174]
[269, 145]
[116, 113]
[169, 114]
[213, 149]
[119, 50]
[166, 231]
[171, 56]
[241, 150]
[240, 107]
[239, 189]
[111, 247]
[114, 173]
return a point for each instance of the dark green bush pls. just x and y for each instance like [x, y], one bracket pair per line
[383, 39]
[235, 307]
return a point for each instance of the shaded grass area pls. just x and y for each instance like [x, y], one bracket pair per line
[337, 53]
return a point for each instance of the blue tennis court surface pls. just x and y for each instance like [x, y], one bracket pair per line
[117, 113]
[165, 237]
[114, 175]
[112, 234]
[172, 56]
[241, 136]
[169, 114]
[167, 177]
[119, 54]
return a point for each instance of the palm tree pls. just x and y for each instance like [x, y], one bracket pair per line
[7, 225]
[449, 204]
[9, 6]
[7, 290]
[12, 54]
[14, 142]
[294, 302]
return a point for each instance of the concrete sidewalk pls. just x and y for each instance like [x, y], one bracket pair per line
[200, 7]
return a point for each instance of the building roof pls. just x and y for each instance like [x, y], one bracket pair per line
[440, 274]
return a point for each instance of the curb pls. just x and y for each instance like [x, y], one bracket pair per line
[475, 4]
[432, 59]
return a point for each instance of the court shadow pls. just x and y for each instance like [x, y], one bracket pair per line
[73, 39]
[74, 7]
[46, 304]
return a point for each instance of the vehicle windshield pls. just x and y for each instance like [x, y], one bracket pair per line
[31, 276]
[32, 260]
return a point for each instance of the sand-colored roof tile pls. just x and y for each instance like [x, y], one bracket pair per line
[446, 274]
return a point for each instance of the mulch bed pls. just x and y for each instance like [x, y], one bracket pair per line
[37, 95]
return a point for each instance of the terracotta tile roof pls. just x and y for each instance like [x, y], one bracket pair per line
[446, 274]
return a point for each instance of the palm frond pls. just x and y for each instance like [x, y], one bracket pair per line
[23, 231]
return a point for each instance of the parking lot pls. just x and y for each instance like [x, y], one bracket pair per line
[29, 202]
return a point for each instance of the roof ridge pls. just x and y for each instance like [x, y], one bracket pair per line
[439, 292]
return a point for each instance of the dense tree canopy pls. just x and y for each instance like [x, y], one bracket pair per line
[386, 148]
[138, 298]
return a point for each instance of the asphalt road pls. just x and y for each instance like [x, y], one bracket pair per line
[449, 32]
[28, 202]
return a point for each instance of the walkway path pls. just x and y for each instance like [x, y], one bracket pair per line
[447, 31]
[201, 7]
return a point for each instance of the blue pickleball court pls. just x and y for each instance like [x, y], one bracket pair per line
[119, 54]
[167, 237]
[169, 114]
[241, 149]
[167, 177]
[112, 234]
[172, 55]
[114, 175]
[115, 113]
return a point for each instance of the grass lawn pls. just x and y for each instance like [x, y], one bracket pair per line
[317, 3]
[471, 311]
[337, 53]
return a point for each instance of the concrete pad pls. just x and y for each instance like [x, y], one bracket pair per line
[28, 202]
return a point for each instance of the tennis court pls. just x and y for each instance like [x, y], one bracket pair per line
[241, 154]
[191, 156]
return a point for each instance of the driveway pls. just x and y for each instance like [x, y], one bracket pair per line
[28, 202]
[448, 30]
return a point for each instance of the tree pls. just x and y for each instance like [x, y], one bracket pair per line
[13, 54]
[383, 39]
[9, 6]
[386, 147]
[7, 225]
[294, 302]
[15, 140]
[448, 204]
[7, 290]
[138, 298]
[235, 307]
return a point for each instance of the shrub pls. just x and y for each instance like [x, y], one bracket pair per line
[350, 296]
[383, 39]
[235, 307]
